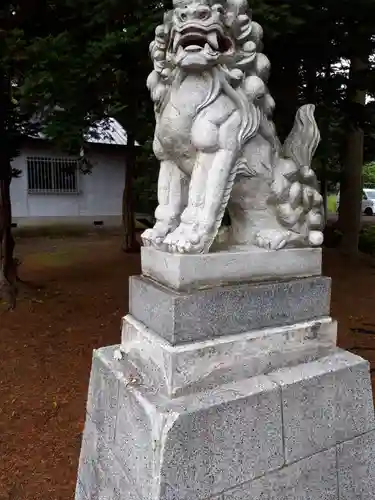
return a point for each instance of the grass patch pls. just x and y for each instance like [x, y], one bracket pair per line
[60, 231]
[63, 258]
[54, 231]
[331, 204]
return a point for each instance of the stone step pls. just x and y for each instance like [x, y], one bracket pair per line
[193, 367]
[234, 265]
[182, 317]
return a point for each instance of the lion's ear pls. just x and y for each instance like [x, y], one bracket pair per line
[238, 18]
[237, 7]
[168, 17]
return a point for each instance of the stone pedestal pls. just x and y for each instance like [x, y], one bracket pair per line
[228, 387]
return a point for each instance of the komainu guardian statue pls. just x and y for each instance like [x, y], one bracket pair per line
[216, 140]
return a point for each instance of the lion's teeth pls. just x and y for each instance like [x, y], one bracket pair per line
[208, 48]
[213, 40]
[176, 40]
[180, 52]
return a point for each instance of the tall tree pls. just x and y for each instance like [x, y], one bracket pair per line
[12, 124]
[352, 162]
[357, 45]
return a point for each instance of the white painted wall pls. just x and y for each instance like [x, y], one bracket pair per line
[100, 196]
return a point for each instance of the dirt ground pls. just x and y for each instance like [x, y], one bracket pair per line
[79, 295]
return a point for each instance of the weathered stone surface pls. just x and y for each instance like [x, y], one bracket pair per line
[206, 314]
[237, 265]
[90, 449]
[191, 367]
[314, 478]
[228, 441]
[100, 474]
[103, 398]
[139, 439]
[324, 402]
[356, 468]
[196, 446]
[222, 439]
[80, 493]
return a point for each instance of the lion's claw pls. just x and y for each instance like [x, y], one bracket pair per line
[186, 239]
[272, 239]
[156, 236]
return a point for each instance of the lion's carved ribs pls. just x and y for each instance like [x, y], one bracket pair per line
[216, 140]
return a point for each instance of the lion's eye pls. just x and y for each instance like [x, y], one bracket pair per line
[204, 13]
[219, 8]
[183, 16]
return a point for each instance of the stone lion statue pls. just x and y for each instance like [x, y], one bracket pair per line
[216, 141]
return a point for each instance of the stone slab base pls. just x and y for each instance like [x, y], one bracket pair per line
[185, 368]
[227, 310]
[302, 433]
[234, 265]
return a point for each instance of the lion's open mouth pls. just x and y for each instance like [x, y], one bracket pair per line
[193, 40]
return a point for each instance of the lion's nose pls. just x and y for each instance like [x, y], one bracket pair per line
[194, 13]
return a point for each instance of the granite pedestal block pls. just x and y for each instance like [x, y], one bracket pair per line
[239, 440]
[206, 314]
[232, 266]
[314, 478]
[198, 366]
[190, 447]
[325, 402]
[356, 468]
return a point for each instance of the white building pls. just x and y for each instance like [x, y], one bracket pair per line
[52, 188]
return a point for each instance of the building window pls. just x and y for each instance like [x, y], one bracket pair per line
[52, 175]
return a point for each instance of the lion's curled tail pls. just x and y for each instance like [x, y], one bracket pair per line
[299, 205]
[302, 142]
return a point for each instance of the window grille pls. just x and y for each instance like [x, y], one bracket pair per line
[52, 175]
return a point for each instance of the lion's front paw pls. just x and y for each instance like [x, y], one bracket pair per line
[186, 239]
[155, 236]
[272, 239]
[150, 237]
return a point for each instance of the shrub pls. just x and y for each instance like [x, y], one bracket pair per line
[367, 240]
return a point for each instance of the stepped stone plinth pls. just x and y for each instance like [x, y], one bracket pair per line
[236, 400]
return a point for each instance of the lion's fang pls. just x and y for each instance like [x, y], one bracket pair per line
[213, 40]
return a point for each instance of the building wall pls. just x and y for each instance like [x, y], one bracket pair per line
[99, 197]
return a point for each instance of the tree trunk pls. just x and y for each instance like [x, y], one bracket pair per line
[351, 181]
[324, 192]
[8, 268]
[129, 237]
[320, 169]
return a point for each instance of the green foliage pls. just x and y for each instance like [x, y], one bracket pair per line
[90, 59]
[367, 240]
[93, 63]
[369, 175]
[331, 203]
